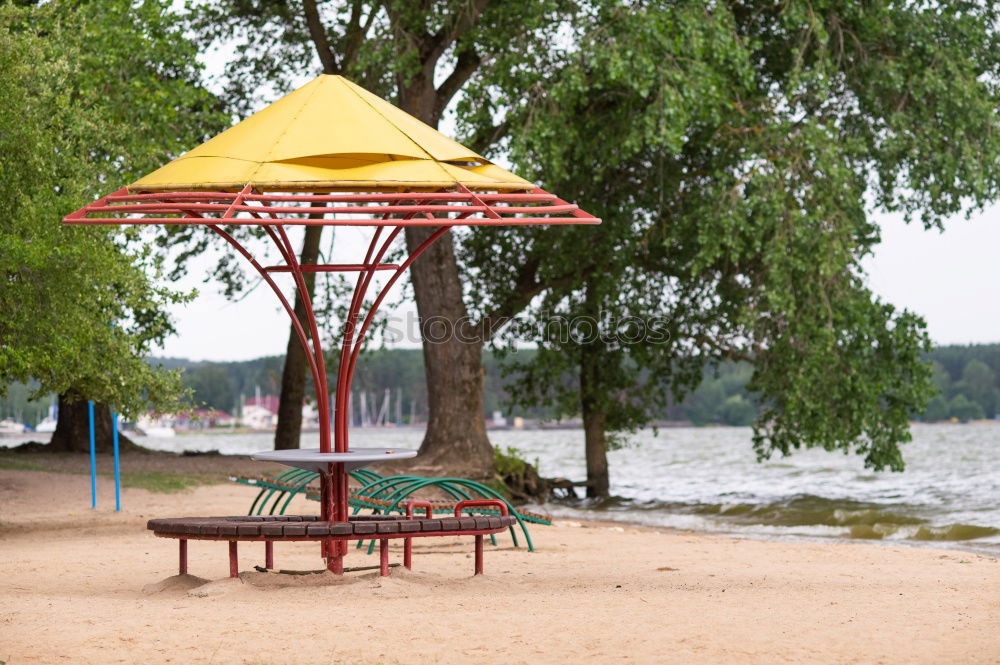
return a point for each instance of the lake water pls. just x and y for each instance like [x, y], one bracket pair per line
[707, 479]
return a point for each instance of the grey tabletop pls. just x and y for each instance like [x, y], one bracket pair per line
[311, 459]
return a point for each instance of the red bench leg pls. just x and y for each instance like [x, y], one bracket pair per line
[268, 554]
[479, 555]
[334, 562]
[183, 564]
[383, 557]
[408, 553]
[234, 566]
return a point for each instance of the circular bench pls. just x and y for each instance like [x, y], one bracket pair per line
[272, 528]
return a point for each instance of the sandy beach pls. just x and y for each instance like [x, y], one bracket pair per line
[88, 586]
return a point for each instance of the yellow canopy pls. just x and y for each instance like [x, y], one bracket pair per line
[330, 134]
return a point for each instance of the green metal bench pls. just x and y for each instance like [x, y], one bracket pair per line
[384, 495]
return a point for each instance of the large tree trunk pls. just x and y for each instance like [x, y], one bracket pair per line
[591, 406]
[294, 374]
[594, 427]
[73, 427]
[455, 441]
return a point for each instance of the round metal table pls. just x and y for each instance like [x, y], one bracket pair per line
[311, 459]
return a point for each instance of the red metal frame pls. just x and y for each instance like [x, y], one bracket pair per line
[440, 210]
[382, 538]
[408, 543]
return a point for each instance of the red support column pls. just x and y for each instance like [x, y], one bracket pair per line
[183, 564]
[383, 557]
[335, 563]
[234, 566]
[408, 553]
[479, 555]
[268, 554]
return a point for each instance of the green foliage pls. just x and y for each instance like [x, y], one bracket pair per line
[162, 482]
[211, 387]
[95, 95]
[22, 402]
[721, 398]
[979, 384]
[937, 410]
[969, 372]
[9, 464]
[964, 410]
[166, 482]
[509, 461]
[730, 149]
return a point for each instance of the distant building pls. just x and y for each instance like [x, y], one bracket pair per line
[310, 416]
[203, 419]
[261, 412]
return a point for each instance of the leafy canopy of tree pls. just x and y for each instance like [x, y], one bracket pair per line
[731, 149]
[95, 95]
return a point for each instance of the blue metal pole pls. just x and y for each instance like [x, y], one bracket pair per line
[93, 457]
[118, 476]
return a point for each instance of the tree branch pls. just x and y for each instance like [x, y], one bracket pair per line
[527, 287]
[458, 25]
[317, 32]
[465, 66]
[357, 31]
[483, 140]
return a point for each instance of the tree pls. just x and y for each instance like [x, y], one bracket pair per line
[937, 410]
[964, 410]
[421, 54]
[737, 411]
[81, 112]
[979, 385]
[212, 386]
[730, 149]
[940, 378]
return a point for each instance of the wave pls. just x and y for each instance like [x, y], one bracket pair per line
[800, 515]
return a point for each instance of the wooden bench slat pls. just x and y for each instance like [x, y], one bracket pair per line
[311, 526]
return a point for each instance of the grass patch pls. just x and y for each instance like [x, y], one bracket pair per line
[10, 464]
[165, 482]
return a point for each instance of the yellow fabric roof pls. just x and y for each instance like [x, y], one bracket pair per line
[330, 134]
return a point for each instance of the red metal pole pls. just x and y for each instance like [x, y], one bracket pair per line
[383, 557]
[343, 378]
[381, 296]
[408, 542]
[268, 554]
[345, 371]
[234, 566]
[315, 352]
[322, 395]
[479, 555]
[330, 494]
[183, 564]
[324, 510]
[300, 332]
[335, 564]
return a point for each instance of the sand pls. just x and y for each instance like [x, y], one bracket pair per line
[86, 586]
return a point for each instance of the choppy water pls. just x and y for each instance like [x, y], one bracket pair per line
[707, 479]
